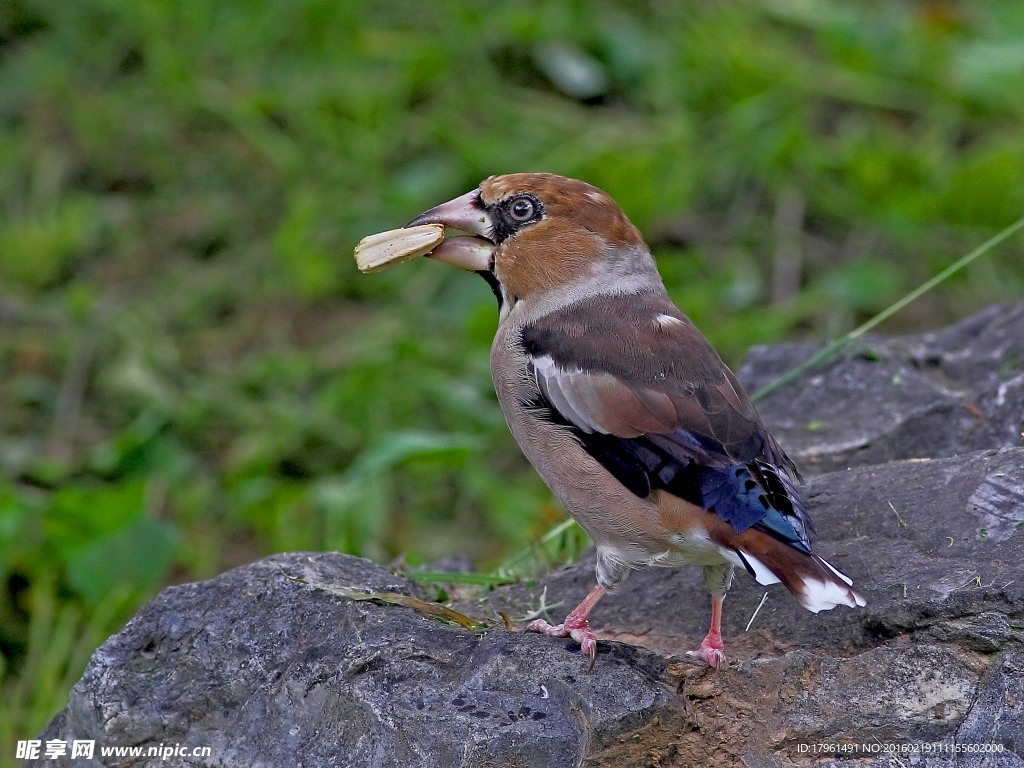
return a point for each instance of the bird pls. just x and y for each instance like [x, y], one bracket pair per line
[622, 406]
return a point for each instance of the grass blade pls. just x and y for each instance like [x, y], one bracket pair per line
[885, 314]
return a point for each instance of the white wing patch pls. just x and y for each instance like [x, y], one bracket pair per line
[746, 560]
[843, 576]
[666, 321]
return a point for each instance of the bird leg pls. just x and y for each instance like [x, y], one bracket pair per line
[575, 625]
[712, 650]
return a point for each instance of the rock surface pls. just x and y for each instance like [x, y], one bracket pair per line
[929, 395]
[269, 671]
[936, 546]
[265, 670]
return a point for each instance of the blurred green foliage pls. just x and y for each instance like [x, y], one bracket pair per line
[194, 373]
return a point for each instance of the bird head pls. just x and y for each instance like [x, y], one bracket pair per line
[537, 232]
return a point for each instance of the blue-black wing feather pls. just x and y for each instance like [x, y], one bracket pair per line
[719, 457]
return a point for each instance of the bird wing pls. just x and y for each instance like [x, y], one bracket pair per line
[650, 399]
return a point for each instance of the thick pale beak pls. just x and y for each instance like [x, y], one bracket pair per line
[467, 215]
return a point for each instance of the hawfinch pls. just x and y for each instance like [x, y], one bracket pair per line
[623, 407]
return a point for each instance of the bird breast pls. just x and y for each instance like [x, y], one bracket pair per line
[624, 526]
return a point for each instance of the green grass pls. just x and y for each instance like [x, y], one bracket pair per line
[194, 374]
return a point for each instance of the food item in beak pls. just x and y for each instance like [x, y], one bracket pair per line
[378, 252]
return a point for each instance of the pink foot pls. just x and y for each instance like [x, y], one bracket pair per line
[712, 650]
[577, 629]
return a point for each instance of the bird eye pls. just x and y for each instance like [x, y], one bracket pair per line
[522, 209]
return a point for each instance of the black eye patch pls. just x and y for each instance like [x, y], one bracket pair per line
[513, 213]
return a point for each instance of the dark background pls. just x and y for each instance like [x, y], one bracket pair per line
[194, 374]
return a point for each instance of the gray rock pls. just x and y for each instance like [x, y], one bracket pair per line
[998, 710]
[935, 655]
[268, 671]
[929, 395]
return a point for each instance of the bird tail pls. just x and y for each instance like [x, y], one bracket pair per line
[814, 582]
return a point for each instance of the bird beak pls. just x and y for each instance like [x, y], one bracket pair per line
[466, 214]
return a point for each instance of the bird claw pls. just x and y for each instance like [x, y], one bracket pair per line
[711, 651]
[553, 630]
[578, 631]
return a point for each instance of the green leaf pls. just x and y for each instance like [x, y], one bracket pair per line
[138, 555]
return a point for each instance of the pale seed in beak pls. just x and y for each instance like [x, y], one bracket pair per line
[378, 252]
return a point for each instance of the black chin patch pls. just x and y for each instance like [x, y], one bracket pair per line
[492, 281]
